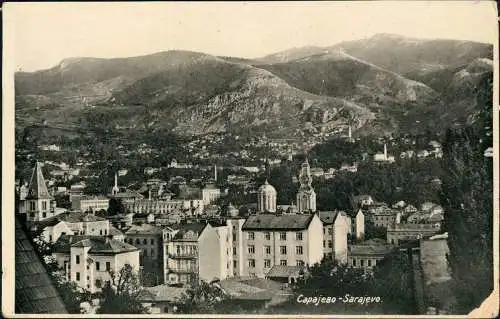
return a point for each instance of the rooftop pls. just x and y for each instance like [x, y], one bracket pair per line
[196, 228]
[161, 293]
[329, 217]
[34, 292]
[278, 222]
[371, 248]
[98, 244]
[37, 187]
[76, 217]
[143, 229]
[284, 271]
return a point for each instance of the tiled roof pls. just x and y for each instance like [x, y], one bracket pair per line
[143, 229]
[278, 222]
[329, 217]
[98, 244]
[34, 290]
[76, 217]
[161, 293]
[239, 290]
[196, 228]
[113, 231]
[284, 271]
[37, 187]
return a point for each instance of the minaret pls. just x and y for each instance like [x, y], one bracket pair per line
[306, 197]
[385, 151]
[215, 173]
[350, 132]
[115, 189]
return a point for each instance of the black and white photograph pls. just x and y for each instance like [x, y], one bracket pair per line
[250, 159]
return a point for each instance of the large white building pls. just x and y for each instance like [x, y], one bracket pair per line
[335, 229]
[76, 223]
[84, 203]
[89, 260]
[287, 240]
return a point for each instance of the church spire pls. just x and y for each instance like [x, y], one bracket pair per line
[37, 188]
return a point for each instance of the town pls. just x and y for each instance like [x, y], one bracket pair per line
[174, 233]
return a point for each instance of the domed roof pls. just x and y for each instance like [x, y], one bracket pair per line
[267, 188]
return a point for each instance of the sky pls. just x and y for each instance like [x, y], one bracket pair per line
[43, 34]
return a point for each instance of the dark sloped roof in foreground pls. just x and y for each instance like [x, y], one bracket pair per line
[35, 292]
[98, 244]
[278, 222]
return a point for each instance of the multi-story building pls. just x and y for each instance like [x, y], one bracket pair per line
[85, 203]
[149, 240]
[335, 229]
[190, 254]
[381, 215]
[407, 231]
[163, 206]
[89, 261]
[356, 222]
[286, 240]
[367, 254]
[210, 194]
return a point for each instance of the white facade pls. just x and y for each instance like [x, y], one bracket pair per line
[306, 197]
[266, 198]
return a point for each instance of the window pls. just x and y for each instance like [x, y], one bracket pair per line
[234, 237]
[300, 263]
[234, 251]
[330, 231]
[100, 232]
[324, 244]
[77, 257]
[77, 276]
[369, 262]
[324, 230]
[50, 238]
[251, 263]
[329, 244]
[283, 250]
[298, 236]
[98, 283]
[283, 262]
[137, 241]
[268, 250]
[235, 264]
[299, 250]
[144, 241]
[152, 252]
[97, 265]
[152, 241]
[44, 214]
[145, 252]
[32, 215]
[362, 262]
[354, 262]
[108, 266]
[267, 236]
[267, 263]
[32, 206]
[251, 249]
[283, 236]
[44, 205]
[251, 236]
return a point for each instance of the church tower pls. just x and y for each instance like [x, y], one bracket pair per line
[306, 197]
[39, 203]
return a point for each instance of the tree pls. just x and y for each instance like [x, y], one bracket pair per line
[467, 199]
[121, 295]
[116, 207]
[203, 297]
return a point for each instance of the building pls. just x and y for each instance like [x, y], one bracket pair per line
[335, 230]
[115, 190]
[161, 299]
[149, 240]
[361, 201]
[383, 157]
[381, 215]
[38, 204]
[356, 223]
[403, 232]
[266, 198]
[286, 240]
[210, 194]
[306, 197]
[190, 254]
[75, 223]
[155, 206]
[94, 203]
[89, 260]
[367, 254]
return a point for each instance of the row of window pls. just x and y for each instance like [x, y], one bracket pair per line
[33, 205]
[97, 264]
[267, 263]
[138, 241]
[267, 236]
[362, 262]
[299, 250]
[330, 244]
